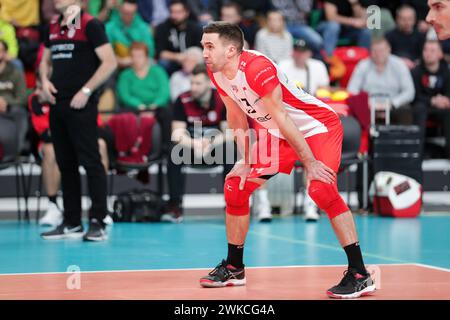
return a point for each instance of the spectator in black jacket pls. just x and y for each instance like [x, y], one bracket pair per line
[175, 35]
[432, 83]
[405, 40]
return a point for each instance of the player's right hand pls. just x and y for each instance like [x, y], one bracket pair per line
[240, 170]
[316, 170]
[49, 90]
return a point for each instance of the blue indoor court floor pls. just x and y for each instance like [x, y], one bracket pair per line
[201, 243]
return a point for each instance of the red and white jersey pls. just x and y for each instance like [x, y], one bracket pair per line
[256, 77]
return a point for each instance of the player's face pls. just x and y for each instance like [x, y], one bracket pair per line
[215, 52]
[439, 17]
[199, 85]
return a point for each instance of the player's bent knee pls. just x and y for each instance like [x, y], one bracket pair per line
[238, 201]
[327, 198]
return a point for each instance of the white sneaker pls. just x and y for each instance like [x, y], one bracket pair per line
[311, 213]
[108, 220]
[263, 207]
[53, 217]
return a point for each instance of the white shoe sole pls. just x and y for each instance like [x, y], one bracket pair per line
[366, 292]
[229, 283]
[102, 238]
[75, 235]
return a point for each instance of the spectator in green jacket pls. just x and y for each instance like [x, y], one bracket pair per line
[144, 86]
[129, 28]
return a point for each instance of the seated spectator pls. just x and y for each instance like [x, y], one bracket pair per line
[175, 35]
[126, 30]
[296, 14]
[232, 13]
[145, 88]
[203, 105]
[432, 83]
[274, 40]
[387, 80]
[310, 73]
[344, 18]
[406, 42]
[153, 12]
[421, 8]
[39, 110]
[180, 81]
[12, 104]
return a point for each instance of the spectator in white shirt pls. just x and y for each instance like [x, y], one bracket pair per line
[274, 40]
[311, 74]
[180, 81]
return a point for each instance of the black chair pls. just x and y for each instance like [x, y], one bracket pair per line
[350, 150]
[350, 155]
[155, 157]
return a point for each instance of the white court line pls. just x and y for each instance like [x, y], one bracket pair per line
[200, 269]
[431, 267]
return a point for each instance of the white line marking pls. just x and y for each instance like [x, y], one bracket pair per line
[431, 267]
[200, 269]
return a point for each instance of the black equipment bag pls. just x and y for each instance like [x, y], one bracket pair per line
[397, 149]
[138, 205]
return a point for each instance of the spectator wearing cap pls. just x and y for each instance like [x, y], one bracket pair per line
[274, 40]
[310, 73]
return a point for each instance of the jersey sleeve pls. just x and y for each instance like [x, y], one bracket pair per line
[261, 76]
[219, 89]
[96, 33]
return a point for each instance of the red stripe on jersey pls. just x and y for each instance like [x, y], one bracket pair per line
[322, 114]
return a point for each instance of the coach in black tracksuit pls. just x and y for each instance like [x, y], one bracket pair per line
[81, 59]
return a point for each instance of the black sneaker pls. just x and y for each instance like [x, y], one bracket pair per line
[224, 275]
[63, 231]
[96, 231]
[353, 285]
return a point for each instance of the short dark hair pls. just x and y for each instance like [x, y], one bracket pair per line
[183, 3]
[200, 69]
[227, 31]
[5, 45]
[405, 7]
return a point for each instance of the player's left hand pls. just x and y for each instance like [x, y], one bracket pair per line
[241, 170]
[79, 101]
[316, 170]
